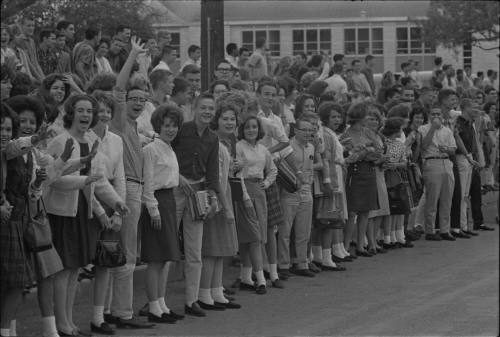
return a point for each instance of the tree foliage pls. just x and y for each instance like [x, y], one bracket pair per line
[454, 23]
[103, 14]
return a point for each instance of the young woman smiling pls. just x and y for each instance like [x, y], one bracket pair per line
[219, 232]
[71, 202]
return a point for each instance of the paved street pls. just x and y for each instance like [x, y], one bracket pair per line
[436, 288]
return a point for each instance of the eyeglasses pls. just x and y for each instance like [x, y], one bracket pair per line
[224, 70]
[137, 99]
[307, 130]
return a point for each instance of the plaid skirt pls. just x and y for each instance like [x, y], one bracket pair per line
[274, 211]
[16, 264]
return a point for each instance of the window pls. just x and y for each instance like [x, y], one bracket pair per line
[249, 37]
[409, 41]
[363, 41]
[312, 41]
[176, 42]
[467, 55]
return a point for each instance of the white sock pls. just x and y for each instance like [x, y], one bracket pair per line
[273, 271]
[205, 296]
[393, 236]
[218, 295]
[327, 258]
[246, 275]
[12, 329]
[342, 247]
[365, 241]
[154, 308]
[400, 235]
[455, 230]
[49, 328]
[316, 252]
[5, 332]
[163, 305]
[98, 315]
[337, 251]
[387, 239]
[260, 277]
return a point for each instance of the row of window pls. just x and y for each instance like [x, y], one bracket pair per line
[357, 41]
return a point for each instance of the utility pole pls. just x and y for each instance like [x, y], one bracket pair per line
[212, 38]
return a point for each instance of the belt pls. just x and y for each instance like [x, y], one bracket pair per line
[42, 248]
[436, 158]
[137, 181]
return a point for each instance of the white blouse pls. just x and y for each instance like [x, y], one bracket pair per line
[111, 145]
[161, 171]
[257, 162]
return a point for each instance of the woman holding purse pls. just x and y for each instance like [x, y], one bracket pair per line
[331, 117]
[71, 203]
[219, 231]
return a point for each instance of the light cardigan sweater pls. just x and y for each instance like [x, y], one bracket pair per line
[61, 196]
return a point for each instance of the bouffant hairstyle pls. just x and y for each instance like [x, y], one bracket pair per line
[223, 107]
[356, 113]
[392, 126]
[418, 111]
[22, 103]
[400, 110]
[241, 128]
[69, 108]
[48, 82]
[325, 109]
[317, 88]
[166, 111]
[106, 99]
[103, 81]
[299, 103]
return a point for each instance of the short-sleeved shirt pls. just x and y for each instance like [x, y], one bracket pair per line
[442, 136]
[258, 62]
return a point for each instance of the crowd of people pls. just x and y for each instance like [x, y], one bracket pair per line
[292, 168]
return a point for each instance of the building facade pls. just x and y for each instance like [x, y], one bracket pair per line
[386, 29]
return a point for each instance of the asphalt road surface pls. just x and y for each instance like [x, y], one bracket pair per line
[434, 289]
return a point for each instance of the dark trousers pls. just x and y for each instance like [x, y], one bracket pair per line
[476, 198]
[456, 202]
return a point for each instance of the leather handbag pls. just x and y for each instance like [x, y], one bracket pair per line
[399, 193]
[236, 186]
[109, 252]
[37, 233]
[38, 239]
[286, 177]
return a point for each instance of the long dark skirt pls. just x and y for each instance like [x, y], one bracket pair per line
[75, 238]
[163, 244]
[16, 269]
[361, 187]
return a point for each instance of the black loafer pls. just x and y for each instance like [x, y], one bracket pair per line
[314, 267]
[194, 310]
[175, 316]
[407, 244]
[471, 233]
[304, 272]
[229, 305]
[164, 318]
[277, 284]
[132, 323]
[432, 237]
[284, 274]
[460, 235]
[261, 290]
[246, 286]
[214, 306]
[103, 329]
[484, 228]
[337, 268]
[110, 319]
[363, 253]
[447, 237]
[381, 251]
